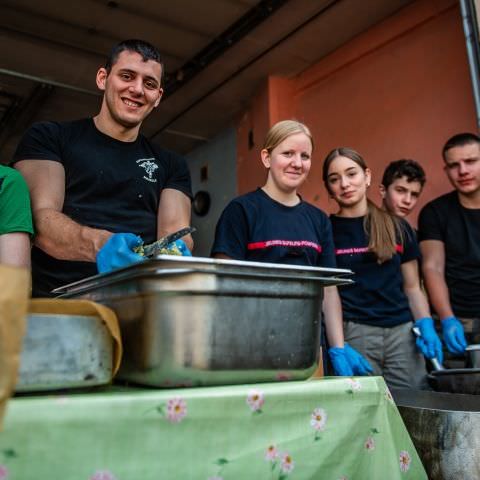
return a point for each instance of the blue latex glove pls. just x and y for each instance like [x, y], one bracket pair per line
[453, 335]
[339, 361]
[182, 247]
[357, 361]
[429, 343]
[118, 252]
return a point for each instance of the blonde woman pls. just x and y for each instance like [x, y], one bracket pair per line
[273, 224]
[378, 309]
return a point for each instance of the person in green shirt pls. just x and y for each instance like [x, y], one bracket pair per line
[16, 226]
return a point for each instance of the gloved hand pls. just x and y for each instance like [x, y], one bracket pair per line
[357, 361]
[429, 343]
[182, 247]
[339, 361]
[453, 335]
[118, 252]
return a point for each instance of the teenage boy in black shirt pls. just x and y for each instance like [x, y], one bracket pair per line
[98, 186]
[449, 234]
[401, 186]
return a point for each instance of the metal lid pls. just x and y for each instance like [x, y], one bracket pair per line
[473, 347]
[170, 265]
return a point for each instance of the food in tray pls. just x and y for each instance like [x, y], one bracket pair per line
[171, 249]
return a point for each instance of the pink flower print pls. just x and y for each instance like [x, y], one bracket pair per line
[255, 400]
[388, 396]
[369, 444]
[103, 475]
[3, 472]
[354, 384]
[318, 419]
[283, 376]
[176, 409]
[271, 453]
[287, 464]
[405, 461]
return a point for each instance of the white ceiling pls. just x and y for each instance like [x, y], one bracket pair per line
[52, 49]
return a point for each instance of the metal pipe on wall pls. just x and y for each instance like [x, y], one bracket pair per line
[470, 28]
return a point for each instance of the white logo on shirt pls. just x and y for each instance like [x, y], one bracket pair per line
[149, 167]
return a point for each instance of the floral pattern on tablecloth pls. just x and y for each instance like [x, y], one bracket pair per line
[318, 420]
[103, 475]
[255, 400]
[369, 444]
[221, 464]
[353, 385]
[389, 396]
[4, 472]
[174, 410]
[281, 463]
[223, 437]
[405, 461]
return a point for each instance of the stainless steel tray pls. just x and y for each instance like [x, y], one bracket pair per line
[64, 351]
[200, 321]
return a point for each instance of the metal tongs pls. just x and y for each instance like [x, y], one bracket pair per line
[154, 249]
[434, 361]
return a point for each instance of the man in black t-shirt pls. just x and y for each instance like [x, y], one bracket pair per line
[98, 186]
[449, 234]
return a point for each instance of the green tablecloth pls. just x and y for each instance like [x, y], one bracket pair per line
[338, 428]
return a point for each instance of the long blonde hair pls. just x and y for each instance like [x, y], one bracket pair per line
[382, 229]
[282, 130]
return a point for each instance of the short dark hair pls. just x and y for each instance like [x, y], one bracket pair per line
[145, 49]
[460, 140]
[404, 167]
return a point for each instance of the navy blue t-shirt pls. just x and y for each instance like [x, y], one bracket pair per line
[257, 228]
[376, 297]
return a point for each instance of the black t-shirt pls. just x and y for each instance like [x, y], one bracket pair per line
[257, 228]
[109, 184]
[377, 297]
[445, 219]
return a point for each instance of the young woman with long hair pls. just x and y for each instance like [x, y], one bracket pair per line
[273, 224]
[379, 308]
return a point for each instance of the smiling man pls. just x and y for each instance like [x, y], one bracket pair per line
[401, 186]
[98, 186]
[449, 234]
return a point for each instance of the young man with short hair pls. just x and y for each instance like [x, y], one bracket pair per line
[98, 186]
[402, 184]
[449, 234]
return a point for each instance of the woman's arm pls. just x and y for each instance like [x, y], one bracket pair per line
[411, 286]
[333, 318]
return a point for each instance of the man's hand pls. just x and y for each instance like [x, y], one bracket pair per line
[429, 343]
[358, 363]
[118, 252]
[453, 335]
[339, 361]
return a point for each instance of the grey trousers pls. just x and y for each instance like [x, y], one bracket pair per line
[391, 352]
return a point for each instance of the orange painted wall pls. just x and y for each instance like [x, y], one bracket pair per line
[398, 90]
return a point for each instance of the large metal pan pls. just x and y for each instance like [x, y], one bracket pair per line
[445, 429]
[452, 380]
[456, 380]
[200, 321]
